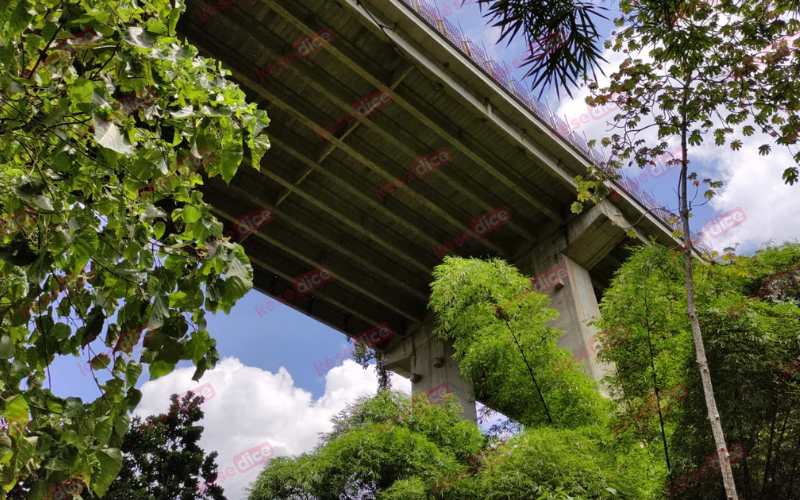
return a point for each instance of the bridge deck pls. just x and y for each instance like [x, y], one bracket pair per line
[322, 187]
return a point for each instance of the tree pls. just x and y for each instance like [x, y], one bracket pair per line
[162, 458]
[562, 63]
[433, 453]
[108, 123]
[700, 65]
[504, 348]
[753, 336]
[392, 448]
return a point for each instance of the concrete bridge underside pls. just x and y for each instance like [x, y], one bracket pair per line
[381, 252]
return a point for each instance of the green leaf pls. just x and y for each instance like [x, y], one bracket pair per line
[61, 331]
[102, 429]
[20, 19]
[73, 408]
[42, 202]
[109, 136]
[160, 310]
[198, 346]
[6, 10]
[110, 460]
[202, 366]
[81, 93]
[7, 348]
[160, 368]
[94, 325]
[29, 188]
[63, 460]
[5, 445]
[121, 424]
[85, 244]
[100, 361]
[139, 37]
[238, 277]
[190, 214]
[132, 373]
[159, 229]
[216, 111]
[185, 112]
[229, 163]
[260, 146]
[16, 413]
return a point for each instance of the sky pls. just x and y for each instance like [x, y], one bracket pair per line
[268, 391]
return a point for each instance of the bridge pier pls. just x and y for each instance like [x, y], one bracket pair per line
[560, 267]
[428, 362]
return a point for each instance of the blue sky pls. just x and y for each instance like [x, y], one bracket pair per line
[283, 337]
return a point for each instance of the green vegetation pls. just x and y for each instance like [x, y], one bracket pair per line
[161, 459]
[748, 341]
[435, 451]
[586, 452]
[505, 350]
[703, 73]
[108, 123]
[119, 204]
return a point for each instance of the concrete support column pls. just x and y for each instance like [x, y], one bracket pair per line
[570, 289]
[428, 362]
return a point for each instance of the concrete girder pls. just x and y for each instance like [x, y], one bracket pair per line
[387, 299]
[355, 252]
[532, 196]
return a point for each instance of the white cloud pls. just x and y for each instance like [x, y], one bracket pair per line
[751, 182]
[251, 406]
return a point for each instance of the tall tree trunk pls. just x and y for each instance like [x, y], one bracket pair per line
[691, 310]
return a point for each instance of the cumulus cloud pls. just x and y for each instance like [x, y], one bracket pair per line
[752, 182]
[251, 406]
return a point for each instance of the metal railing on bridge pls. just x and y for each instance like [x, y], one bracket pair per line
[500, 73]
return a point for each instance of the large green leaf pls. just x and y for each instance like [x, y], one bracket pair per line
[160, 368]
[229, 163]
[108, 135]
[7, 348]
[84, 246]
[16, 413]
[19, 18]
[110, 460]
[140, 37]
[199, 344]
[258, 148]
[160, 310]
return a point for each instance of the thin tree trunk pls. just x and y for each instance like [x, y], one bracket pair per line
[655, 383]
[792, 475]
[530, 371]
[691, 310]
[769, 448]
[778, 446]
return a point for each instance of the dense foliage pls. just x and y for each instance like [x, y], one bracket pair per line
[718, 71]
[161, 458]
[753, 333]
[504, 348]
[436, 454]
[107, 124]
